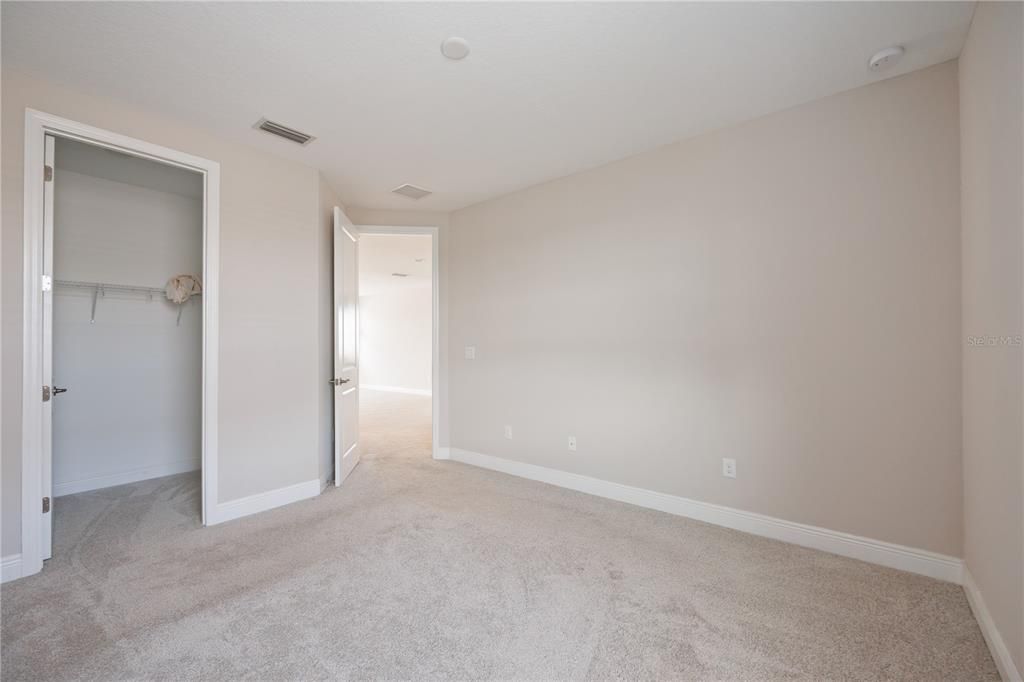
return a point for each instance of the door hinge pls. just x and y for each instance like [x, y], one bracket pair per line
[46, 394]
[46, 505]
[48, 173]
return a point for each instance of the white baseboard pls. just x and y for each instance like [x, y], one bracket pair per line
[995, 642]
[179, 466]
[236, 509]
[10, 568]
[888, 554]
[396, 389]
[444, 453]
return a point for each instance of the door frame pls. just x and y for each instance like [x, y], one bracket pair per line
[435, 290]
[37, 126]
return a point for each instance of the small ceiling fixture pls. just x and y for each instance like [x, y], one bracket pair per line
[283, 131]
[883, 59]
[411, 191]
[455, 48]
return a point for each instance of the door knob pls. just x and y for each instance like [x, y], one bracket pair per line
[58, 391]
[338, 382]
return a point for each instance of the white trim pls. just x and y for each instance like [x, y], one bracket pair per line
[10, 568]
[996, 645]
[179, 466]
[444, 453]
[904, 558]
[436, 378]
[37, 126]
[253, 504]
[396, 389]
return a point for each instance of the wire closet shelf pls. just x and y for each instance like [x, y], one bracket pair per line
[100, 289]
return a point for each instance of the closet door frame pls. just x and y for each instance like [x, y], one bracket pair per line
[37, 126]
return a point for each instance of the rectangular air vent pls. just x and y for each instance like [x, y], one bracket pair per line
[284, 131]
[399, 274]
[411, 191]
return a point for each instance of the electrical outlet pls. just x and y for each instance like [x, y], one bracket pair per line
[728, 467]
[572, 443]
[508, 432]
[471, 352]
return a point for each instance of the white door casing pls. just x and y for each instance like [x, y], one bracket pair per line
[346, 350]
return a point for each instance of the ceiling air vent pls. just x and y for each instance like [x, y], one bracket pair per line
[284, 131]
[399, 274]
[411, 191]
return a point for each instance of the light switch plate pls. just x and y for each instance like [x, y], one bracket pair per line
[471, 352]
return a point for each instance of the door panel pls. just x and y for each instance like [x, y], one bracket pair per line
[346, 347]
[46, 541]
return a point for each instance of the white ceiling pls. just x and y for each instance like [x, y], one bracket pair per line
[382, 255]
[548, 89]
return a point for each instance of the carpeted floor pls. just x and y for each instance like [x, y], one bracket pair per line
[418, 569]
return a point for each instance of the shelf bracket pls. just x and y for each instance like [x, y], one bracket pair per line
[95, 297]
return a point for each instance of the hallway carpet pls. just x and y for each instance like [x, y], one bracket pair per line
[416, 569]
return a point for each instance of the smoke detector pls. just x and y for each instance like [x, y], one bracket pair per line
[411, 191]
[455, 48]
[884, 59]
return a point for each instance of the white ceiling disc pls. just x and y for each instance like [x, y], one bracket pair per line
[883, 59]
[455, 48]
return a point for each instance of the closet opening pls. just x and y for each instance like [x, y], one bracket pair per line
[126, 334]
[120, 346]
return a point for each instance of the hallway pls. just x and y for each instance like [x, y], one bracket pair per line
[394, 425]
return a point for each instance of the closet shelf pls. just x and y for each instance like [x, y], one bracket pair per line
[104, 286]
[99, 289]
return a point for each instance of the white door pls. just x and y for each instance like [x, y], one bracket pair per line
[346, 351]
[49, 391]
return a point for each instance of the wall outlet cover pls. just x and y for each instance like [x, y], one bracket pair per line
[728, 467]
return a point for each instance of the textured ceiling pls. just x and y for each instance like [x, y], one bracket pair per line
[547, 90]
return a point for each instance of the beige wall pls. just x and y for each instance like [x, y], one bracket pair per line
[412, 218]
[991, 121]
[785, 292]
[269, 265]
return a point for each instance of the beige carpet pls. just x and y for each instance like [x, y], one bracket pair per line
[422, 570]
